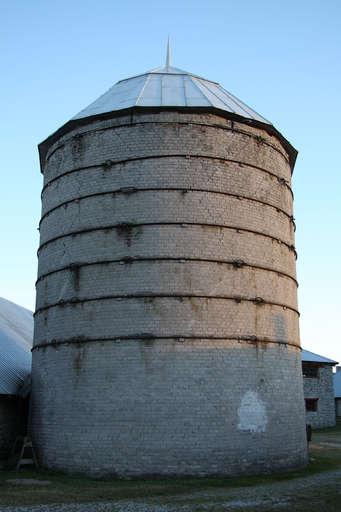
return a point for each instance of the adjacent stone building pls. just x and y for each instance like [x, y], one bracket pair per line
[166, 325]
[318, 389]
[337, 391]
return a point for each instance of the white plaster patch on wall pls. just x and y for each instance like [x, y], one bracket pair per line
[252, 413]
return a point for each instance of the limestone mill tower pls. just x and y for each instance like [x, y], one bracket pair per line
[166, 325]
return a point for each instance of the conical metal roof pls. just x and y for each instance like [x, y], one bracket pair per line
[168, 86]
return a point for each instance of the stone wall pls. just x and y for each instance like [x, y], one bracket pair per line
[338, 407]
[166, 293]
[173, 408]
[321, 388]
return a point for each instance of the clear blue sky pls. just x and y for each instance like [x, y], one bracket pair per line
[280, 57]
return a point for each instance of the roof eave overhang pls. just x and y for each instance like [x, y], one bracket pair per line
[319, 363]
[75, 123]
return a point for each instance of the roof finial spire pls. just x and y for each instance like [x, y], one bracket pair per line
[168, 56]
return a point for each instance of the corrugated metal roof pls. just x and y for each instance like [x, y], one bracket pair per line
[311, 357]
[337, 384]
[168, 86]
[16, 334]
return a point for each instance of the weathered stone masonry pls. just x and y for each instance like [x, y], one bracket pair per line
[167, 300]
[321, 388]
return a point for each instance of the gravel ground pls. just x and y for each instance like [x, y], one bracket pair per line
[278, 496]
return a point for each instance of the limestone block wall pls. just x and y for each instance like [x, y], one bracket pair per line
[321, 388]
[174, 408]
[338, 407]
[171, 234]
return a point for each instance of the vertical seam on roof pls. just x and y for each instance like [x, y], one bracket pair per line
[142, 89]
[162, 90]
[242, 105]
[197, 86]
[214, 94]
[184, 90]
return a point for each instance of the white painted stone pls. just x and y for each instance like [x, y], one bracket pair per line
[252, 413]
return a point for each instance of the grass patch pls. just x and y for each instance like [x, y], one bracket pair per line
[79, 489]
[330, 430]
[76, 489]
[331, 434]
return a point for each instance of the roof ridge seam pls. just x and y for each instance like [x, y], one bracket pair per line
[222, 101]
[142, 89]
[242, 105]
[197, 86]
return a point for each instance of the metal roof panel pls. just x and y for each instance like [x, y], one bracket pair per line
[16, 333]
[311, 357]
[15, 365]
[169, 87]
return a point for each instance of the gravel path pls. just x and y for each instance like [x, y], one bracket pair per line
[278, 496]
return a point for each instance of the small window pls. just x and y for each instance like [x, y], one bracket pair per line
[311, 404]
[311, 372]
